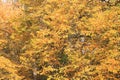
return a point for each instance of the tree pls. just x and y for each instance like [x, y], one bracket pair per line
[62, 40]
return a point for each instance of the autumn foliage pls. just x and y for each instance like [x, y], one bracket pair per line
[60, 40]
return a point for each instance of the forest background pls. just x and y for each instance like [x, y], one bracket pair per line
[60, 40]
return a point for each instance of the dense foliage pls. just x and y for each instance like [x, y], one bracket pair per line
[60, 40]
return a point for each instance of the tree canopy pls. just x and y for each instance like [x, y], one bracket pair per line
[60, 40]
